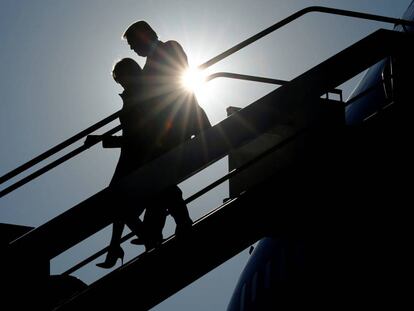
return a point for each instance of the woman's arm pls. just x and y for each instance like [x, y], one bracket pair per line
[112, 142]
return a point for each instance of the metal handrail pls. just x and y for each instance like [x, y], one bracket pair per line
[205, 65]
[58, 148]
[287, 20]
[57, 162]
[238, 76]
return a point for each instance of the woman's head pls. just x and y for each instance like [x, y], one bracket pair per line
[126, 72]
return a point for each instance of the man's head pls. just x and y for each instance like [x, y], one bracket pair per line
[140, 37]
[126, 72]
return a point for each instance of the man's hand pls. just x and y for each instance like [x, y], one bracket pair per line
[92, 139]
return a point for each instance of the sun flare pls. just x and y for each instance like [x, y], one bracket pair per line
[193, 80]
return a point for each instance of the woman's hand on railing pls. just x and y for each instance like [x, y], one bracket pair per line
[110, 141]
[92, 140]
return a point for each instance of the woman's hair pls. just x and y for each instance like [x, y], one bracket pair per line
[126, 67]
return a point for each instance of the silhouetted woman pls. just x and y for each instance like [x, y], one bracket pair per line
[128, 74]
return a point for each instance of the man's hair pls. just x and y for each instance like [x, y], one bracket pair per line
[142, 28]
[126, 67]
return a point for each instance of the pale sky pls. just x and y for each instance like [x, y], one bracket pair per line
[55, 61]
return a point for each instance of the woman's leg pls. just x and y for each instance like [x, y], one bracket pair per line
[117, 229]
[114, 251]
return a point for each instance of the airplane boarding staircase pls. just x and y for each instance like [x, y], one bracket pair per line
[314, 135]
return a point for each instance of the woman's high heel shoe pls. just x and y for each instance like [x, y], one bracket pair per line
[112, 258]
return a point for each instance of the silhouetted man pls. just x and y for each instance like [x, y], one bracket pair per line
[176, 116]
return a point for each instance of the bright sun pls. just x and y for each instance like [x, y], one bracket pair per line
[193, 79]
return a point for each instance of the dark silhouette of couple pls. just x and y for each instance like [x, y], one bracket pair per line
[157, 115]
